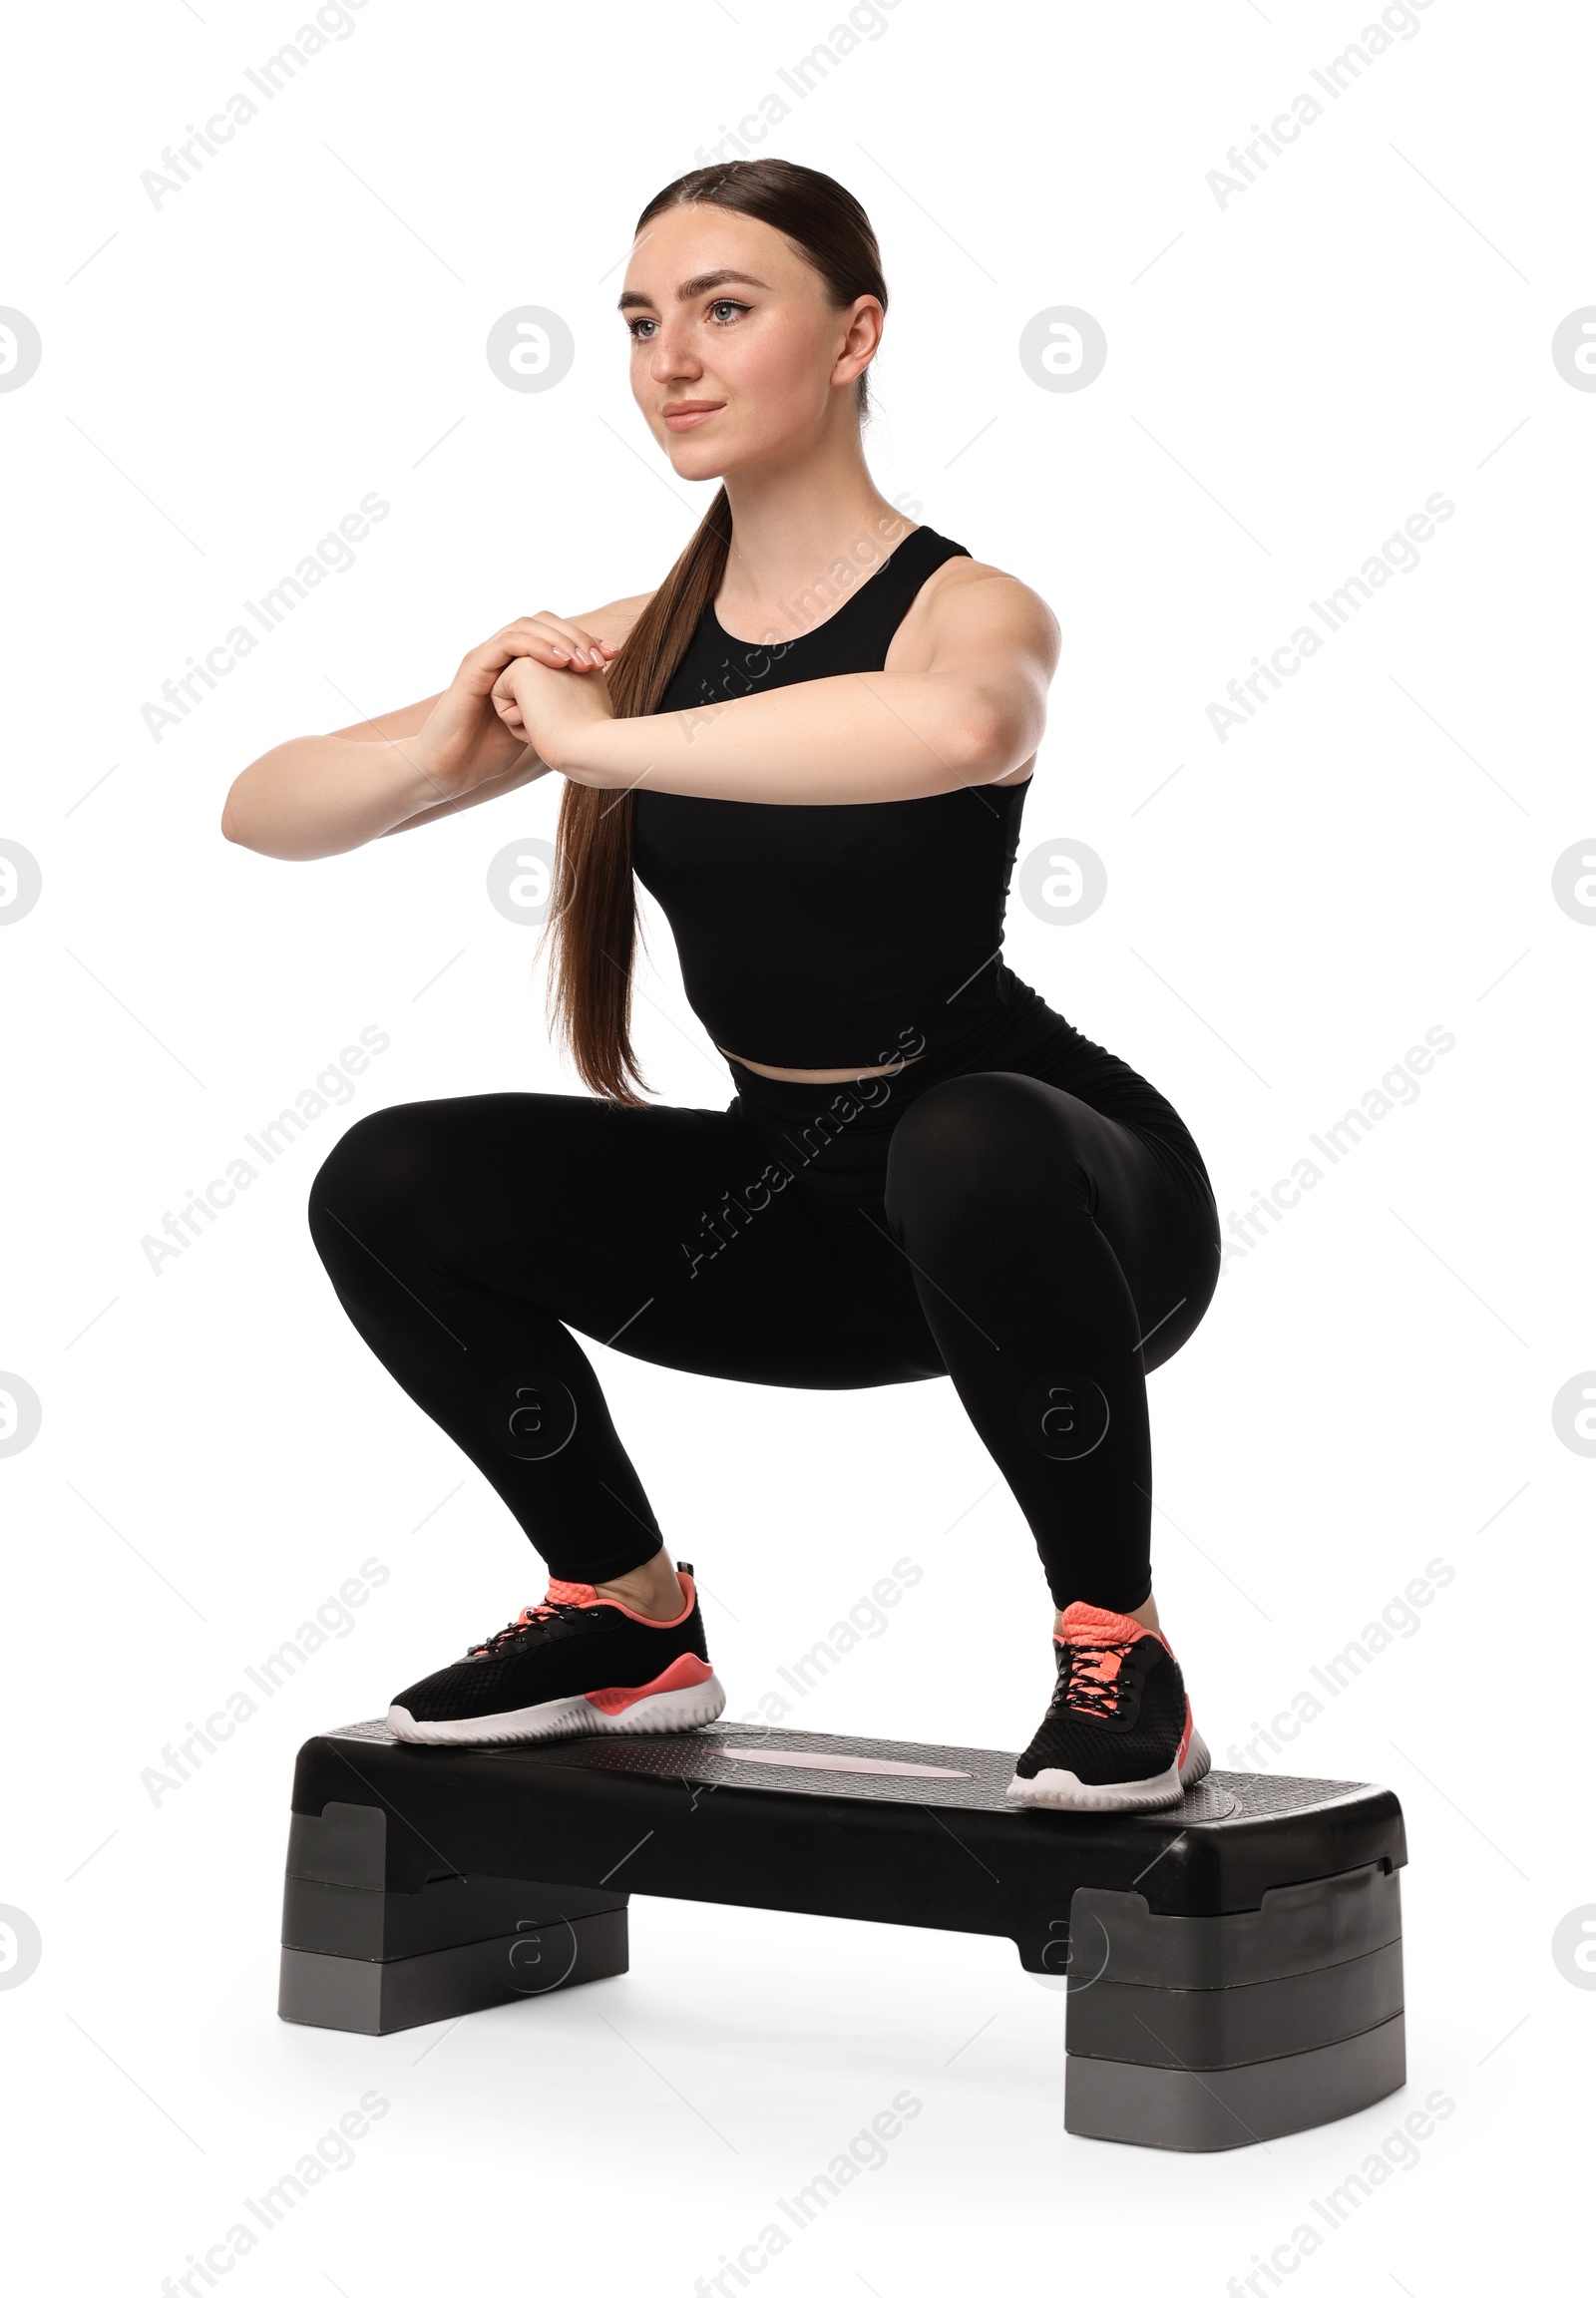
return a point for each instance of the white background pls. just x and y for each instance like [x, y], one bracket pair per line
[1289, 377]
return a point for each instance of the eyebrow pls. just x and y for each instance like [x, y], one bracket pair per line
[692, 288]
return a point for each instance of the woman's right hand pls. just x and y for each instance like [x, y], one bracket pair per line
[465, 742]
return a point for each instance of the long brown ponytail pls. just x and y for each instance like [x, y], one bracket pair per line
[593, 913]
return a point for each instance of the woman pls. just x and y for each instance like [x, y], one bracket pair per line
[812, 744]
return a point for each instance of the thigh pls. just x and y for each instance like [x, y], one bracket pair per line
[666, 1233]
[1155, 1213]
[1150, 1191]
[1016, 1155]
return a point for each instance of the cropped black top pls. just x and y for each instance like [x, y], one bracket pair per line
[813, 936]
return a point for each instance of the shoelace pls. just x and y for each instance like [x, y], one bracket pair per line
[1096, 1693]
[532, 1616]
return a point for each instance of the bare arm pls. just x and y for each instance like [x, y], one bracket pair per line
[968, 706]
[323, 794]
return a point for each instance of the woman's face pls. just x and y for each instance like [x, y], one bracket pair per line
[760, 364]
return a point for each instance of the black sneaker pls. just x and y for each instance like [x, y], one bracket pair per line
[575, 1665]
[1118, 1733]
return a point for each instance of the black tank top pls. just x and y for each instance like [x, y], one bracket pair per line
[815, 937]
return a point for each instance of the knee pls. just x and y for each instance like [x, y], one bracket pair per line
[379, 1171]
[984, 1137]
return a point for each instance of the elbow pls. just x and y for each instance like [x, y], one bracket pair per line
[236, 825]
[239, 829]
[996, 736]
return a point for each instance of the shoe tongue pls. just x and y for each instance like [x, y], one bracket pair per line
[1090, 1624]
[570, 1592]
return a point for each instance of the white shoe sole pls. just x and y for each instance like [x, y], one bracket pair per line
[1062, 1791]
[571, 1719]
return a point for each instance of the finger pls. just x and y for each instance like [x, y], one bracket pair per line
[553, 649]
[575, 638]
[555, 652]
[538, 638]
[489, 662]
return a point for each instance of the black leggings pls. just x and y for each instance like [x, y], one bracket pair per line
[1040, 1228]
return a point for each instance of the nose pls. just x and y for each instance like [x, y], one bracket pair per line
[672, 358]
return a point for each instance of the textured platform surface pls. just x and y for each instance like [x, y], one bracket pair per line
[881, 1830]
[871, 1770]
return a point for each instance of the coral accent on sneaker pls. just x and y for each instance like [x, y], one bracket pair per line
[533, 1615]
[684, 1582]
[683, 1674]
[643, 1619]
[582, 1593]
[570, 1592]
[1101, 1642]
[1092, 1624]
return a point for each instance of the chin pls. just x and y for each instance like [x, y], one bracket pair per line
[694, 458]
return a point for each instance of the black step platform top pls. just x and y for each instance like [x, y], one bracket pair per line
[877, 1829]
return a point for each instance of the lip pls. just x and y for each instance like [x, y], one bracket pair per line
[687, 414]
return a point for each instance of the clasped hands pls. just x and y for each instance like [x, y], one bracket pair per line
[552, 697]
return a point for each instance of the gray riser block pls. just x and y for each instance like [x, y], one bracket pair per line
[1298, 1927]
[1202, 2113]
[368, 1997]
[1206, 2027]
[339, 1919]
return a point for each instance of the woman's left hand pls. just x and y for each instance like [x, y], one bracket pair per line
[552, 709]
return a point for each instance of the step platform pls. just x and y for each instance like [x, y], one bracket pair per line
[1232, 1967]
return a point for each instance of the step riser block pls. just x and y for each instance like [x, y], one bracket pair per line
[1296, 1927]
[367, 1996]
[1204, 2026]
[379, 1926]
[1206, 2113]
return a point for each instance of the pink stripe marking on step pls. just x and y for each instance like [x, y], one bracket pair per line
[805, 1762]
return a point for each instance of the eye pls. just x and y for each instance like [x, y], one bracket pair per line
[727, 304]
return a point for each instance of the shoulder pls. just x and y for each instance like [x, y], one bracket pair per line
[614, 620]
[964, 588]
[967, 603]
